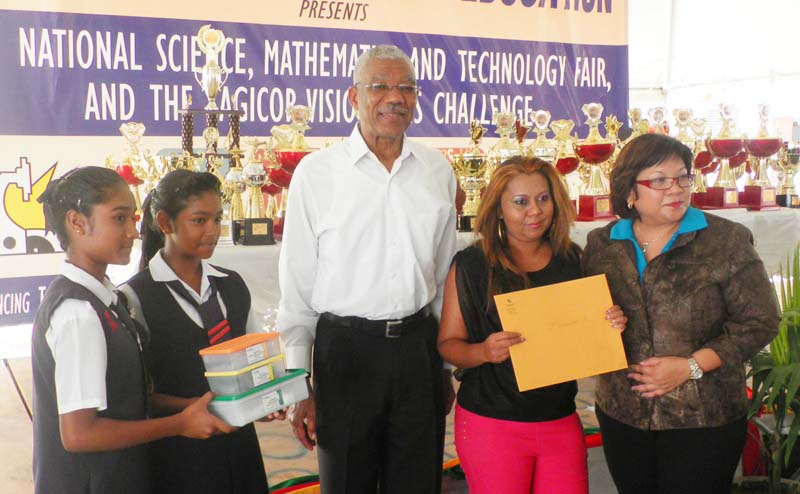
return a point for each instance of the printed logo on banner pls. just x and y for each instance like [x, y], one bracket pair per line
[22, 217]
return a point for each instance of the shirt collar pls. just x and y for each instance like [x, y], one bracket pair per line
[105, 291]
[693, 220]
[359, 148]
[161, 272]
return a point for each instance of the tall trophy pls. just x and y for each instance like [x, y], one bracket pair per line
[257, 227]
[639, 125]
[566, 161]
[211, 77]
[290, 148]
[233, 186]
[542, 147]
[470, 167]
[788, 162]
[701, 163]
[506, 147]
[761, 194]
[594, 203]
[659, 120]
[133, 166]
[724, 146]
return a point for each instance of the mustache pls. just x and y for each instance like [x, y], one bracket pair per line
[394, 108]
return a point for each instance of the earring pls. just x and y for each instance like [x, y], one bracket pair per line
[501, 234]
[630, 204]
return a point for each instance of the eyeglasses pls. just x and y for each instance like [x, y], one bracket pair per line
[381, 89]
[664, 183]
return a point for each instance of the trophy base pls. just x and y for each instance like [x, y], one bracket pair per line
[699, 199]
[257, 231]
[466, 223]
[593, 208]
[757, 198]
[788, 200]
[721, 198]
[227, 233]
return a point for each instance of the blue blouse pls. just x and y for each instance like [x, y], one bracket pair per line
[693, 220]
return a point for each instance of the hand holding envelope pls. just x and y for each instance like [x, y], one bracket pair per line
[565, 330]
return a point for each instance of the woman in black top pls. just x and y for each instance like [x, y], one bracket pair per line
[509, 441]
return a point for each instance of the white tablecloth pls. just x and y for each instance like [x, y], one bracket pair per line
[775, 234]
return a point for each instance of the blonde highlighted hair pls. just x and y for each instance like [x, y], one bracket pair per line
[504, 275]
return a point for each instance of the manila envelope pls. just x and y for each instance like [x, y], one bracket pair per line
[566, 333]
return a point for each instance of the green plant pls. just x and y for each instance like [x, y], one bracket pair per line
[776, 378]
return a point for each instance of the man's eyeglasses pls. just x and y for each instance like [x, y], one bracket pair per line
[381, 89]
[664, 183]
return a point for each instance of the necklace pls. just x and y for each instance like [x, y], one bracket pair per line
[645, 244]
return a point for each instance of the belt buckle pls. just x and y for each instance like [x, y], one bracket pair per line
[394, 329]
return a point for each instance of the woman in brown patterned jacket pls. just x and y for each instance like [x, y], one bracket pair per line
[699, 304]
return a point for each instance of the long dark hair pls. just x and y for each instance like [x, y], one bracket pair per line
[79, 190]
[504, 275]
[171, 194]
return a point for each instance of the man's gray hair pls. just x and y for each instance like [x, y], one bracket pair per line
[382, 52]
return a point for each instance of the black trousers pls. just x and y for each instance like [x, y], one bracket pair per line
[676, 461]
[379, 410]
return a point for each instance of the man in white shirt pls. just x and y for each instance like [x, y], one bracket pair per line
[367, 243]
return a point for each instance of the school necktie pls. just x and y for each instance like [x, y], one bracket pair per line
[214, 322]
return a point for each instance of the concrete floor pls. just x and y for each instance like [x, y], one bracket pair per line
[284, 458]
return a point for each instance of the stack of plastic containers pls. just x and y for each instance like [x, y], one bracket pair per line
[249, 377]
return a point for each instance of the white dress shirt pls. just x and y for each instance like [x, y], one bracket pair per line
[78, 344]
[359, 240]
[161, 272]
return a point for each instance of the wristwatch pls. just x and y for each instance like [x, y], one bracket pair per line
[695, 372]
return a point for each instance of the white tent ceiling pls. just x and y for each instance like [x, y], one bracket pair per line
[699, 53]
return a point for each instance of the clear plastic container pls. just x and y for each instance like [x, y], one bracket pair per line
[240, 352]
[242, 380]
[241, 409]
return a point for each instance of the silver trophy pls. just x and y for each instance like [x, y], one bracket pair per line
[211, 77]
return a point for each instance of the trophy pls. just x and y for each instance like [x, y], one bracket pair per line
[257, 227]
[470, 167]
[132, 169]
[211, 77]
[542, 147]
[761, 194]
[233, 185]
[659, 118]
[639, 125]
[506, 147]
[683, 120]
[724, 146]
[595, 203]
[291, 147]
[788, 161]
[566, 161]
[702, 163]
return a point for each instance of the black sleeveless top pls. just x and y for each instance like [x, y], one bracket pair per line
[490, 389]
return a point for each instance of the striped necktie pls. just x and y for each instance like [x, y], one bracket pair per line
[214, 322]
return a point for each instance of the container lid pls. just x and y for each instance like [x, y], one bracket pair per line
[239, 343]
[290, 376]
[270, 360]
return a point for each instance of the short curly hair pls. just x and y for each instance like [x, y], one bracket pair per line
[641, 153]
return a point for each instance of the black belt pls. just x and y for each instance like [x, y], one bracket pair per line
[388, 328]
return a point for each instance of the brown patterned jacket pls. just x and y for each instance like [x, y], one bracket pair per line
[710, 290]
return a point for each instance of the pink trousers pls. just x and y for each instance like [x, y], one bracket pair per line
[503, 456]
